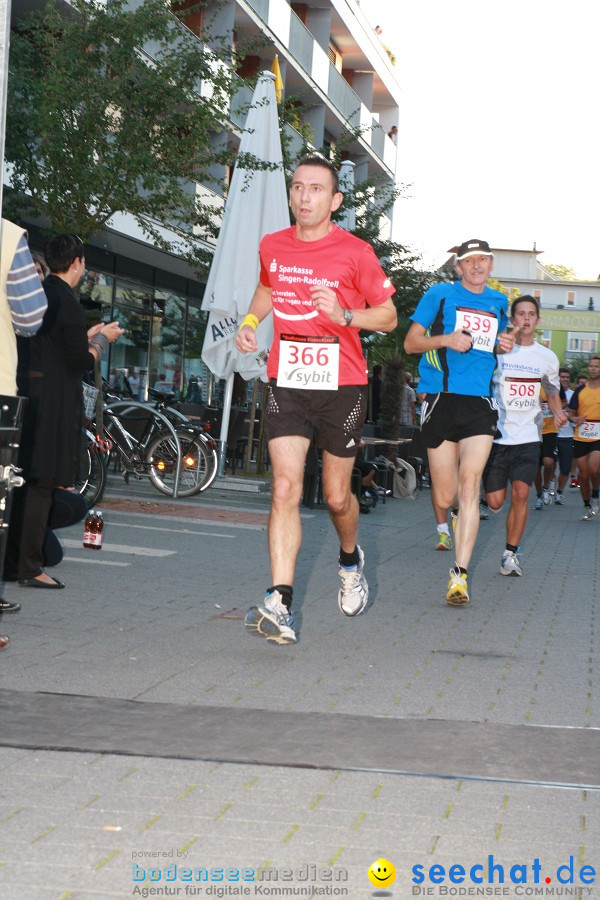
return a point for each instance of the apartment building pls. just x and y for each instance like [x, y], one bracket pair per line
[339, 74]
[570, 309]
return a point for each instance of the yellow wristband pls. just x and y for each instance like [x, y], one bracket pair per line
[250, 320]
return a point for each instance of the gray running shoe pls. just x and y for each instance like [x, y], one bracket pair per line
[589, 513]
[538, 503]
[510, 564]
[560, 498]
[546, 498]
[354, 592]
[272, 620]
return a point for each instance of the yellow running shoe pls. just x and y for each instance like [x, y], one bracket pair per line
[458, 592]
[453, 518]
[444, 541]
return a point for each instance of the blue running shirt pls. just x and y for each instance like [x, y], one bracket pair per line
[484, 315]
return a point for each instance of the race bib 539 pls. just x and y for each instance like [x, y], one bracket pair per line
[482, 326]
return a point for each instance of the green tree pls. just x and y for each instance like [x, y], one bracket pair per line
[578, 365]
[511, 293]
[113, 108]
[394, 381]
[565, 273]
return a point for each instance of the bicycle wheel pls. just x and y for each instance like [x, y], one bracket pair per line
[198, 464]
[92, 474]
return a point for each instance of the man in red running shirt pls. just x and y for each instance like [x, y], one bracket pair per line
[323, 286]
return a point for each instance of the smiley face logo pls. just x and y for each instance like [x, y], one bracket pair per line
[382, 873]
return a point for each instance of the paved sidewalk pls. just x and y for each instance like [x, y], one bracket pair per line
[155, 618]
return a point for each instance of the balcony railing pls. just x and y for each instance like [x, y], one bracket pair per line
[261, 7]
[343, 97]
[301, 43]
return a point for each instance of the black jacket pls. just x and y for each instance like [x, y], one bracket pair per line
[50, 368]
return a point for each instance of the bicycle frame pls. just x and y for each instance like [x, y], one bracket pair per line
[131, 443]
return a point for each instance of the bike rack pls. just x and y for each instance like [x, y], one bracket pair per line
[135, 404]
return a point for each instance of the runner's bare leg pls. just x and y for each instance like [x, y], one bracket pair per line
[288, 455]
[457, 468]
[473, 453]
[341, 502]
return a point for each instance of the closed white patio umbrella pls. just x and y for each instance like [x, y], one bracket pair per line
[256, 205]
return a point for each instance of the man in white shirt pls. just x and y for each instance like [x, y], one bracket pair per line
[565, 439]
[515, 454]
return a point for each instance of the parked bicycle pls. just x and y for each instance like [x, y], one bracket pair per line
[148, 441]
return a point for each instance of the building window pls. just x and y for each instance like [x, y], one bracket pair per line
[570, 298]
[546, 338]
[537, 295]
[582, 342]
[335, 57]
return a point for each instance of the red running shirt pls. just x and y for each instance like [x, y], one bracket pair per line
[341, 261]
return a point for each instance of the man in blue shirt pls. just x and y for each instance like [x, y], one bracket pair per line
[458, 327]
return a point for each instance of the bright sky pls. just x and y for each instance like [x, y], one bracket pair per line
[499, 128]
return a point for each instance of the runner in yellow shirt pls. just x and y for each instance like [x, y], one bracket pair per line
[584, 412]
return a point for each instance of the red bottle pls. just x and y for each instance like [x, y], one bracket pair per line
[98, 527]
[89, 536]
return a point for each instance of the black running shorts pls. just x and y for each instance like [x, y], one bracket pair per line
[549, 446]
[335, 418]
[565, 455]
[582, 448]
[452, 417]
[511, 462]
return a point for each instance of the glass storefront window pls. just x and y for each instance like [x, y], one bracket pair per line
[168, 332]
[97, 288]
[131, 293]
[129, 355]
[162, 344]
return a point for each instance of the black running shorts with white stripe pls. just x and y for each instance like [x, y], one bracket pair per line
[452, 417]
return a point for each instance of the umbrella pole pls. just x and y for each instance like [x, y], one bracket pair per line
[225, 424]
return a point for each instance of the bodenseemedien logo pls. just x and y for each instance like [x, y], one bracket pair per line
[185, 880]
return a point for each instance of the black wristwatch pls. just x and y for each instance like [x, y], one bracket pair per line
[348, 316]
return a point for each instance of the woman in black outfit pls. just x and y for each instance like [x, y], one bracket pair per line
[50, 369]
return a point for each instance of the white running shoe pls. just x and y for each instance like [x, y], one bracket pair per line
[596, 505]
[510, 564]
[560, 498]
[354, 592]
[538, 503]
[589, 513]
[546, 498]
[272, 620]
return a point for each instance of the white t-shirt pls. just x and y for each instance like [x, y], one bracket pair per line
[567, 430]
[517, 381]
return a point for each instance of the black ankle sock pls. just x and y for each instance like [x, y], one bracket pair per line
[286, 591]
[349, 559]
[512, 548]
[595, 494]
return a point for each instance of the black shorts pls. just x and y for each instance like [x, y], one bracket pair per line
[565, 455]
[510, 462]
[334, 418]
[582, 448]
[452, 417]
[549, 448]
